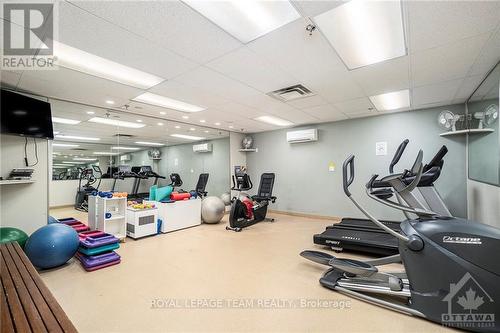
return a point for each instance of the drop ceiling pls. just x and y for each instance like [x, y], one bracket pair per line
[451, 47]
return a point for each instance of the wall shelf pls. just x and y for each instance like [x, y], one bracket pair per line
[249, 150]
[16, 181]
[468, 131]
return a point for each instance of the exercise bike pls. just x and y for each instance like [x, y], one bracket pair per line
[82, 194]
[451, 276]
[245, 210]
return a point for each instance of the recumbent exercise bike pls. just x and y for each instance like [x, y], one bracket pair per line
[246, 210]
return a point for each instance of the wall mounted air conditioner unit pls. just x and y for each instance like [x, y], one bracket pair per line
[202, 148]
[307, 135]
[125, 158]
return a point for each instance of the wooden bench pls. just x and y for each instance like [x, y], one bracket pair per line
[27, 305]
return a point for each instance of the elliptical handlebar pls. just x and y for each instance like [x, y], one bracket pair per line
[348, 169]
[398, 154]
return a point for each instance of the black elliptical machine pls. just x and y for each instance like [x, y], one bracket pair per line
[82, 194]
[452, 275]
[238, 216]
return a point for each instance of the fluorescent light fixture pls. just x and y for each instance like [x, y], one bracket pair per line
[110, 102]
[246, 20]
[166, 102]
[84, 159]
[107, 153]
[392, 101]
[90, 112]
[163, 113]
[177, 127]
[125, 148]
[202, 121]
[75, 137]
[139, 121]
[217, 124]
[91, 64]
[61, 165]
[364, 32]
[72, 162]
[64, 145]
[115, 122]
[274, 121]
[65, 121]
[146, 143]
[192, 129]
[185, 117]
[160, 124]
[187, 137]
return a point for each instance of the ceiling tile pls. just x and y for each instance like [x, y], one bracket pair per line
[435, 93]
[10, 78]
[308, 102]
[325, 113]
[216, 83]
[335, 86]
[83, 88]
[310, 8]
[292, 49]
[248, 67]
[171, 24]
[358, 105]
[299, 117]
[89, 33]
[446, 62]
[469, 84]
[435, 23]
[363, 114]
[383, 77]
[489, 57]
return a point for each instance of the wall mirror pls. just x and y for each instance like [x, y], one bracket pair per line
[484, 147]
[98, 143]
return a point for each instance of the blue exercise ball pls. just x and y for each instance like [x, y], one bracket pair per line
[52, 220]
[52, 245]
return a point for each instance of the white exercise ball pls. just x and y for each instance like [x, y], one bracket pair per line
[226, 198]
[212, 209]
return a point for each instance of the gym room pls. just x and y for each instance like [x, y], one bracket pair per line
[250, 166]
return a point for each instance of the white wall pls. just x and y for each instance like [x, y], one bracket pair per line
[24, 206]
[483, 202]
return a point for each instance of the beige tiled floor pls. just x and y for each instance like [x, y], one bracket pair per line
[210, 263]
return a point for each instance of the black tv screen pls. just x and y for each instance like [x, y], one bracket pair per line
[26, 116]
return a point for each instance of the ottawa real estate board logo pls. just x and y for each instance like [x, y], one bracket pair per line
[469, 305]
[28, 35]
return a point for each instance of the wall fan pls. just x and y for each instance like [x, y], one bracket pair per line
[154, 154]
[488, 116]
[448, 120]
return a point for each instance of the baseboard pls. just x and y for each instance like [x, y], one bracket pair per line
[62, 206]
[307, 215]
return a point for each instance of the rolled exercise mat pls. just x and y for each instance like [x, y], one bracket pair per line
[180, 196]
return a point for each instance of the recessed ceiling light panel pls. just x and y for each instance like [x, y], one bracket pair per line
[65, 121]
[246, 20]
[166, 102]
[115, 122]
[187, 137]
[75, 137]
[364, 32]
[274, 121]
[392, 101]
[147, 143]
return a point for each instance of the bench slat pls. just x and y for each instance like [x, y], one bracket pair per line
[54, 306]
[19, 318]
[6, 326]
[47, 316]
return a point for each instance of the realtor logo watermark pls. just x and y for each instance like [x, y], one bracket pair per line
[28, 35]
[469, 305]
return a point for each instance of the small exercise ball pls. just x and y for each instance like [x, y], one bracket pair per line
[226, 198]
[52, 245]
[212, 209]
[52, 220]
[8, 234]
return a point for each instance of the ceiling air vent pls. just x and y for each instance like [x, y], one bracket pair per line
[291, 93]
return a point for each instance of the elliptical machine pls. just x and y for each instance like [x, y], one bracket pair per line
[245, 210]
[82, 194]
[451, 276]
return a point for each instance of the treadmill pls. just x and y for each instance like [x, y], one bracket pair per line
[362, 235]
[143, 172]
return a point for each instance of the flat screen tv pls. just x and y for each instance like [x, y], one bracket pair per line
[26, 116]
